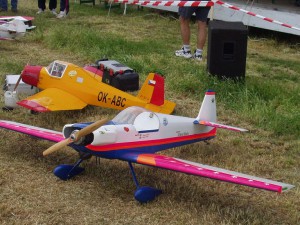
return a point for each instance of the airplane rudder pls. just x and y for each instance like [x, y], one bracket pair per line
[152, 90]
[158, 96]
[208, 107]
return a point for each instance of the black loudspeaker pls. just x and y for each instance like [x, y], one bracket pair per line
[227, 49]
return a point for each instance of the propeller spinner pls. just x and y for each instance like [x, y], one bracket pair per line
[30, 75]
[75, 136]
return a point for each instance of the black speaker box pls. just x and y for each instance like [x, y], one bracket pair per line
[227, 49]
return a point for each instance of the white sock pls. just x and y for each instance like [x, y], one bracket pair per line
[199, 51]
[187, 48]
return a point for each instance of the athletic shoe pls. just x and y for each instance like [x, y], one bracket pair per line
[39, 11]
[183, 53]
[61, 15]
[197, 56]
[53, 12]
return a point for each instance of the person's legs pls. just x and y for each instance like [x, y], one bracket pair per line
[201, 16]
[14, 5]
[202, 33]
[41, 4]
[185, 15]
[67, 6]
[64, 9]
[64, 6]
[185, 51]
[3, 5]
[185, 30]
[52, 4]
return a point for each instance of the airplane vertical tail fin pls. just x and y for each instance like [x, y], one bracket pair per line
[208, 111]
[153, 92]
[208, 114]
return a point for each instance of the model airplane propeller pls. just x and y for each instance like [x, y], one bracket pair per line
[135, 135]
[66, 86]
[18, 82]
[75, 136]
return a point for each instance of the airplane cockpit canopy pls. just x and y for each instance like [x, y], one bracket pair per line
[128, 115]
[56, 69]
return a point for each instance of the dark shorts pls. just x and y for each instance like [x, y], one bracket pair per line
[187, 12]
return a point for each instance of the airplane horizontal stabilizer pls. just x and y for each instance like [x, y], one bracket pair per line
[211, 172]
[219, 125]
[42, 133]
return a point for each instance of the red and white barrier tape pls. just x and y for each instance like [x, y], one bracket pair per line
[224, 4]
[202, 4]
[167, 3]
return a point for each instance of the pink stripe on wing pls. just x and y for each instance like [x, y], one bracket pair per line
[201, 170]
[34, 131]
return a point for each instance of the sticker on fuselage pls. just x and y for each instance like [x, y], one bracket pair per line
[182, 133]
[79, 79]
[165, 121]
[72, 73]
[142, 136]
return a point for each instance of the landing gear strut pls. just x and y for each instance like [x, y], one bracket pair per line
[66, 172]
[143, 194]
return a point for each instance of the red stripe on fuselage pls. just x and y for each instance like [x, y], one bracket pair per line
[142, 144]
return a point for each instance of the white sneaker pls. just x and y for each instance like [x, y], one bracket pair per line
[183, 53]
[53, 12]
[61, 15]
[197, 56]
[39, 11]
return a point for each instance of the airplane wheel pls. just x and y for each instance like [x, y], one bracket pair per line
[33, 112]
[5, 108]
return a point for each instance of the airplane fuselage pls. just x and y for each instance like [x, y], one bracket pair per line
[88, 87]
[149, 133]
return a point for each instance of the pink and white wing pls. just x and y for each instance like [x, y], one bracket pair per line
[42, 133]
[211, 172]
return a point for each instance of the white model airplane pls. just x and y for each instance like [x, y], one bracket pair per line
[135, 135]
[12, 27]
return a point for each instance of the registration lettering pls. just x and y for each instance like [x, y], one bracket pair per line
[116, 100]
[102, 97]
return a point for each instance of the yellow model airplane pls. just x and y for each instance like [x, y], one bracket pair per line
[69, 87]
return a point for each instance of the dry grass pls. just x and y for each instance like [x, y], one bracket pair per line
[31, 194]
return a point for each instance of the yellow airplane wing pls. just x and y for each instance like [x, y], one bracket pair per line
[52, 99]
